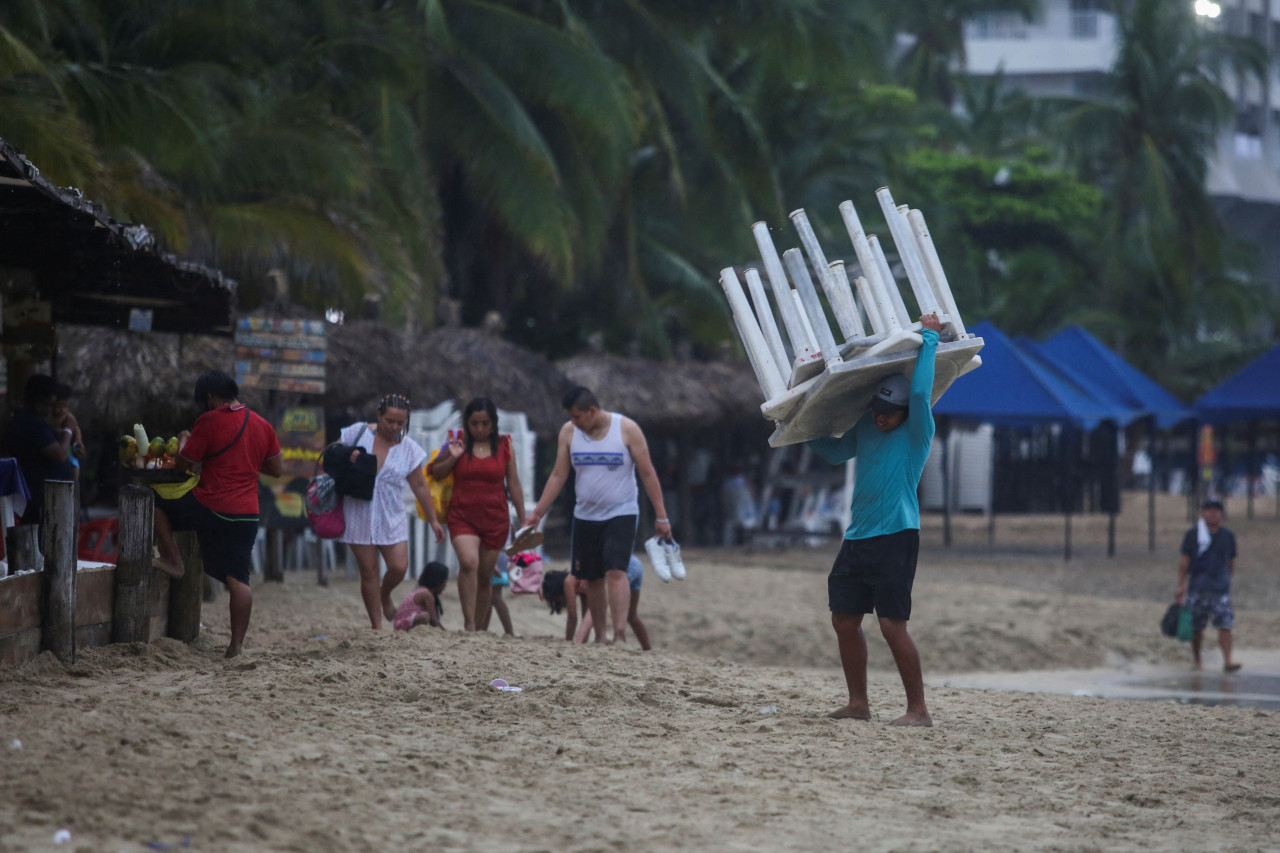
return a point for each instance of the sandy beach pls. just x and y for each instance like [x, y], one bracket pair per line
[327, 737]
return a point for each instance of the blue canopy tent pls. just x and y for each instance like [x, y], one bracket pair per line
[1081, 354]
[1251, 395]
[1020, 387]
[1084, 356]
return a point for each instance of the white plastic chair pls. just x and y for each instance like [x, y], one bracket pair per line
[826, 383]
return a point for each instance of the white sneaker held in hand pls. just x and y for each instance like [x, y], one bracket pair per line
[658, 558]
[675, 565]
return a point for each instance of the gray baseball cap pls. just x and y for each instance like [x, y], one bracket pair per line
[893, 394]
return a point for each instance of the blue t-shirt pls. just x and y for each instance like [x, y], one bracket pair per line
[28, 436]
[889, 463]
[1210, 572]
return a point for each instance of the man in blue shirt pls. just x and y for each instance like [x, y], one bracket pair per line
[43, 450]
[876, 566]
[1204, 580]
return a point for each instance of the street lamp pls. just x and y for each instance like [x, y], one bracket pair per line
[1208, 9]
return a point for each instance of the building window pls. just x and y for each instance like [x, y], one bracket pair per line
[1257, 27]
[1084, 18]
[994, 26]
[1084, 25]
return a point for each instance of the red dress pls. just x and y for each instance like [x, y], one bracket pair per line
[479, 503]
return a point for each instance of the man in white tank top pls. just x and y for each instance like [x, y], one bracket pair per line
[606, 451]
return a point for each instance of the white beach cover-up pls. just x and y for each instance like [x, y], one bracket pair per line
[383, 520]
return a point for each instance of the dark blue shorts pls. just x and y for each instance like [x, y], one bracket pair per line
[876, 573]
[598, 546]
[226, 541]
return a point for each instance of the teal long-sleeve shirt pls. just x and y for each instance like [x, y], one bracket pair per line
[889, 463]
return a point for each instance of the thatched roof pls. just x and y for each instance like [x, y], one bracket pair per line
[94, 269]
[121, 377]
[445, 363]
[670, 395]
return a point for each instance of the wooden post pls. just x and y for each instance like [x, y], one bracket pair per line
[129, 620]
[185, 593]
[20, 545]
[58, 613]
[273, 565]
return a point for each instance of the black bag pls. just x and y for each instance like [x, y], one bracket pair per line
[1169, 624]
[351, 479]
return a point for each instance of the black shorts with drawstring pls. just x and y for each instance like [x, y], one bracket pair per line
[226, 541]
[875, 574]
[598, 546]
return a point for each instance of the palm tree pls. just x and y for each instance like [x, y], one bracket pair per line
[936, 29]
[1146, 142]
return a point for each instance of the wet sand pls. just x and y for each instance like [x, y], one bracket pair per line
[327, 737]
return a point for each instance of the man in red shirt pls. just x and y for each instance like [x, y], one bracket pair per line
[230, 446]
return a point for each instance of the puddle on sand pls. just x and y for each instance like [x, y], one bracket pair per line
[1256, 685]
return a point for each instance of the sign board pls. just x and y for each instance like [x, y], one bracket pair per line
[300, 430]
[140, 319]
[281, 355]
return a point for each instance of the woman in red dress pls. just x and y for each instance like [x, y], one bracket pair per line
[484, 477]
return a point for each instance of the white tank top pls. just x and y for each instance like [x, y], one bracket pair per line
[605, 475]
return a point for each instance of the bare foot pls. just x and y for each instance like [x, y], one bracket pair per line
[169, 567]
[914, 718]
[233, 651]
[851, 712]
[620, 637]
[1231, 667]
[388, 609]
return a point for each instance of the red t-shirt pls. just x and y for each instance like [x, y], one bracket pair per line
[481, 484]
[229, 480]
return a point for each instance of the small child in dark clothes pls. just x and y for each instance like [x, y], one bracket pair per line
[423, 606]
[557, 592]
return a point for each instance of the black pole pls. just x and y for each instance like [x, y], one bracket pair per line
[945, 432]
[1151, 485]
[1068, 492]
[1252, 463]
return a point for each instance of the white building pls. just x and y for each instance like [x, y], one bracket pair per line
[1073, 44]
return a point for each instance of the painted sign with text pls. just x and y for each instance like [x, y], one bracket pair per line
[280, 355]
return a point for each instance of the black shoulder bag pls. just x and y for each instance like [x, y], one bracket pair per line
[351, 479]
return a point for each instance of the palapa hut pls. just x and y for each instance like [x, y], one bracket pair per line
[367, 360]
[121, 378]
[702, 420]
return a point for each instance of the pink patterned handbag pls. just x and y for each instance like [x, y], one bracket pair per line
[525, 573]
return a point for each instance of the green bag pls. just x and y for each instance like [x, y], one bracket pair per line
[1185, 631]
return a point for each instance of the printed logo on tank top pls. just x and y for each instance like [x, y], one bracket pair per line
[607, 460]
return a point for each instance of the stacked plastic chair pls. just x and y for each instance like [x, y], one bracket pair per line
[815, 385]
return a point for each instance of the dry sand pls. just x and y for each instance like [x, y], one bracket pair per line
[326, 737]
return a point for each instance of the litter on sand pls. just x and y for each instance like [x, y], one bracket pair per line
[502, 685]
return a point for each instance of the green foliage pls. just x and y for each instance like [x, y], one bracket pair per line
[589, 166]
[1014, 237]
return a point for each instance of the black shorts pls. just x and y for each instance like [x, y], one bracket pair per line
[226, 541]
[599, 546]
[875, 574]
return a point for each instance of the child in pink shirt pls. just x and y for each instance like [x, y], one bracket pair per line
[422, 606]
